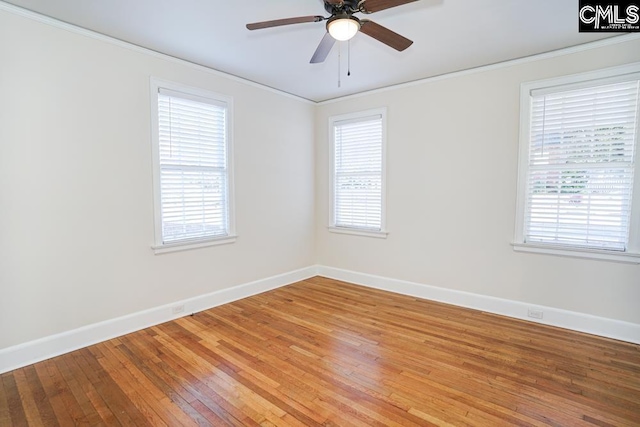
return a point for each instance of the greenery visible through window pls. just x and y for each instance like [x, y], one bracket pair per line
[580, 163]
[358, 172]
[192, 165]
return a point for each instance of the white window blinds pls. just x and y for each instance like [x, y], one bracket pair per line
[358, 150]
[193, 167]
[581, 164]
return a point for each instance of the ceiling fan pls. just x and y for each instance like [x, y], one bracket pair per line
[342, 25]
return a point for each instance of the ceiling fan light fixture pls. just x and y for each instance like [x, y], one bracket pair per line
[343, 29]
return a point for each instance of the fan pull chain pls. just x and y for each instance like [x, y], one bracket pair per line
[339, 61]
[170, 128]
[348, 57]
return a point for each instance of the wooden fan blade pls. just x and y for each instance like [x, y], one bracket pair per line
[385, 35]
[323, 49]
[286, 21]
[370, 6]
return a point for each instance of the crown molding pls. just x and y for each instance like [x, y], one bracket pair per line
[25, 13]
[16, 10]
[496, 66]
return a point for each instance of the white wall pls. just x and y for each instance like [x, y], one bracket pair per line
[76, 218]
[452, 170]
[76, 209]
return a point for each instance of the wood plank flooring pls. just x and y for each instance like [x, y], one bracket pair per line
[327, 353]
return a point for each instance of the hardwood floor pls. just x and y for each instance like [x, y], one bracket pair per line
[323, 352]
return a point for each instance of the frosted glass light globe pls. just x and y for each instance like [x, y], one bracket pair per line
[343, 29]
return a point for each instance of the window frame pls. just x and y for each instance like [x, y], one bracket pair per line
[382, 233]
[632, 252]
[159, 246]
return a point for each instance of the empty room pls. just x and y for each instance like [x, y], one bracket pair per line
[319, 213]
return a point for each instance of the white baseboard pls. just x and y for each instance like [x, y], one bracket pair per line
[44, 348]
[610, 328]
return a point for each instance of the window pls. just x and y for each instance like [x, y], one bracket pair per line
[358, 152]
[191, 149]
[578, 144]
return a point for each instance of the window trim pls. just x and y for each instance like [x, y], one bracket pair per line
[632, 253]
[155, 84]
[332, 227]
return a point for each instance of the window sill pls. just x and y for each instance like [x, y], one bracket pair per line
[188, 245]
[359, 232]
[624, 257]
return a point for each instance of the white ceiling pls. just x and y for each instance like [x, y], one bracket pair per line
[448, 35]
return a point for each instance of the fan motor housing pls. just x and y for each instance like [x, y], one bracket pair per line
[349, 6]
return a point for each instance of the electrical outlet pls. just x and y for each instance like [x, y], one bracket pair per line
[536, 314]
[178, 309]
